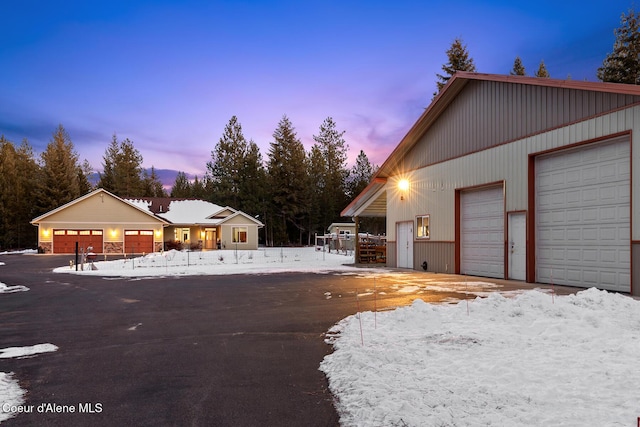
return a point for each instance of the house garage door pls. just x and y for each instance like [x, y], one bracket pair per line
[482, 232]
[138, 241]
[583, 216]
[64, 241]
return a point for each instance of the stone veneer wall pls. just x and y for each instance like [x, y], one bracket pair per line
[159, 246]
[113, 247]
[47, 247]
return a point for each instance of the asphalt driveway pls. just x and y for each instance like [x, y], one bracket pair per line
[239, 350]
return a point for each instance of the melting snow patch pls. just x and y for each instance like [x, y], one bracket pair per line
[6, 289]
[409, 289]
[10, 352]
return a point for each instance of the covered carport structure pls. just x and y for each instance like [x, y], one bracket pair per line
[370, 203]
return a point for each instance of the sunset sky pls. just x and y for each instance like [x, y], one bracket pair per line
[169, 74]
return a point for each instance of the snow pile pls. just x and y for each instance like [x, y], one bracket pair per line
[532, 360]
[6, 289]
[10, 394]
[261, 261]
[11, 352]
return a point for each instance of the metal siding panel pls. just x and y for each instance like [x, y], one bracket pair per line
[440, 256]
[487, 113]
[509, 162]
[391, 253]
[635, 277]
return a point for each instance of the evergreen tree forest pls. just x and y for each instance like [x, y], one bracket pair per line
[293, 192]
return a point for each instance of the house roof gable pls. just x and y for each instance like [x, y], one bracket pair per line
[459, 82]
[95, 193]
[241, 214]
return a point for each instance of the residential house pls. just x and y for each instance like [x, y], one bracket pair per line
[113, 225]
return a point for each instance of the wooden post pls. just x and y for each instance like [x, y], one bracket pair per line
[357, 242]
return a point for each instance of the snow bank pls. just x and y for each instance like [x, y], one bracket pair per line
[24, 251]
[11, 395]
[262, 261]
[531, 360]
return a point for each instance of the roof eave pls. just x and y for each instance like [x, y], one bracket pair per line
[365, 195]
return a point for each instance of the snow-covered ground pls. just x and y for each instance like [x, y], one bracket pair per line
[531, 360]
[261, 261]
[517, 358]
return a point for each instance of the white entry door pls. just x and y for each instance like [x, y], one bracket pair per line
[517, 246]
[404, 244]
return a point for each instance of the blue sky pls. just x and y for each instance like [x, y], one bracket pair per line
[169, 75]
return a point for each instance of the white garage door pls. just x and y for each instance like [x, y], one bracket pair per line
[583, 216]
[482, 232]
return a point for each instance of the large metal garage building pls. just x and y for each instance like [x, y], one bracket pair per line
[517, 177]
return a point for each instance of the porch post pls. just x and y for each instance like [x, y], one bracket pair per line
[357, 242]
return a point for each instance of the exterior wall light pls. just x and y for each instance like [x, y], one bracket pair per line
[403, 186]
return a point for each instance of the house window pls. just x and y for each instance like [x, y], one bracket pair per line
[239, 234]
[422, 227]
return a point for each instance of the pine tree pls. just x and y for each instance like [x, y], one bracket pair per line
[151, 185]
[199, 188]
[542, 70]
[623, 64]
[225, 167]
[122, 169]
[181, 186]
[333, 149]
[253, 181]
[27, 175]
[58, 183]
[17, 179]
[518, 68]
[317, 187]
[359, 178]
[84, 172]
[108, 176]
[129, 172]
[459, 60]
[8, 201]
[287, 184]
[235, 173]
